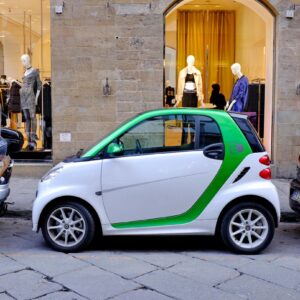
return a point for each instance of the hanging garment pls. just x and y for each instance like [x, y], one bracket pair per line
[47, 101]
[189, 98]
[47, 116]
[240, 94]
[27, 92]
[170, 96]
[14, 102]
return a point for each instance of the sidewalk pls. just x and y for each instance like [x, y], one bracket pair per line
[23, 193]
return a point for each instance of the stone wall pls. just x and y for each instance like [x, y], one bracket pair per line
[287, 104]
[91, 41]
[122, 40]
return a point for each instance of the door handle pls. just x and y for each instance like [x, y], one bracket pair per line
[214, 151]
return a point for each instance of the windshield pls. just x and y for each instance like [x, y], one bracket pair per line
[82, 153]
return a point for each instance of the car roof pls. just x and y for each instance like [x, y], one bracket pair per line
[182, 110]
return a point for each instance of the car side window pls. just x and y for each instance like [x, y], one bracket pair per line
[160, 134]
[209, 132]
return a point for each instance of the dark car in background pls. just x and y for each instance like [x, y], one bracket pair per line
[295, 191]
[11, 142]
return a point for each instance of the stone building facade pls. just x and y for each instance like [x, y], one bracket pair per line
[123, 41]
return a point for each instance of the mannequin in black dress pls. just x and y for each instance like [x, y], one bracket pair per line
[189, 89]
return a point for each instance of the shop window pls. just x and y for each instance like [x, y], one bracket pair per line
[217, 35]
[25, 84]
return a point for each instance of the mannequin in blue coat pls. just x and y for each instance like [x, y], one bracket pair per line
[239, 95]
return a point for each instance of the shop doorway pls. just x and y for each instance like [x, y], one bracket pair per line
[25, 29]
[219, 33]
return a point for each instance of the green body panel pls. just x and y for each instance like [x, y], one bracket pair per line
[236, 149]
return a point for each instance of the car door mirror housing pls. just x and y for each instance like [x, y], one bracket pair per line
[115, 149]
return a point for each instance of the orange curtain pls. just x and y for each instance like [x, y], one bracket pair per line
[210, 37]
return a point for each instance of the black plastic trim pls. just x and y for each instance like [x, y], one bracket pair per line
[242, 174]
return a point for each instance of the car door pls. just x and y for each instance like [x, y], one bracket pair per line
[163, 169]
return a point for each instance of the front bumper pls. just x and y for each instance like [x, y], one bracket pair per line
[295, 195]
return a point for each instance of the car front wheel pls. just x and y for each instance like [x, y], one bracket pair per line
[68, 227]
[247, 228]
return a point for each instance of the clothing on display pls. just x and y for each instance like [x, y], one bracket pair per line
[47, 115]
[31, 82]
[14, 100]
[189, 98]
[240, 94]
[27, 92]
[189, 88]
[217, 98]
[170, 96]
[4, 105]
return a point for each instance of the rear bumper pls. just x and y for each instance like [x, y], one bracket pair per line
[295, 195]
[4, 192]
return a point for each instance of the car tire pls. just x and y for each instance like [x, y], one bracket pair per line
[68, 227]
[247, 228]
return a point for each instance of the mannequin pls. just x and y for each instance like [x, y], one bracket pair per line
[29, 98]
[239, 93]
[169, 95]
[189, 89]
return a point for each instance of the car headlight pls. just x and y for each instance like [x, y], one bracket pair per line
[52, 173]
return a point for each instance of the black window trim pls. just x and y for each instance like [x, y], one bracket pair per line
[197, 148]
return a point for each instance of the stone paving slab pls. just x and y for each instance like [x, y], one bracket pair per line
[7, 265]
[62, 295]
[95, 283]
[222, 259]
[204, 272]
[4, 296]
[159, 258]
[142, 294]
[181, 288]
[49, 262]
[255, 289]
[120, 264]
[27, 284]
[272, 273]
[289, 262]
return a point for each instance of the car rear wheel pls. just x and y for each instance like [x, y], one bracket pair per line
[68, 227]
[247, 228]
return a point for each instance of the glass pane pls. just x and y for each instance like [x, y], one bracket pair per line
[209, 132]
[25, 29]
[150, 134]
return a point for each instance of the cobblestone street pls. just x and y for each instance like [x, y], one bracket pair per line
[146, 268]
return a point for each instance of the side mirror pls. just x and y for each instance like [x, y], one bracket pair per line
[115, 149]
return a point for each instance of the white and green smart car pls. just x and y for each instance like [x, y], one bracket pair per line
[165, 172]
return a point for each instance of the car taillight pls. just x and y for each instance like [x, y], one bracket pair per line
[266, 173]
[265, 160]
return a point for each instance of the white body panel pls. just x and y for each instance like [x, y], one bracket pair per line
[154, 186]
[82, 180]
[250, 184]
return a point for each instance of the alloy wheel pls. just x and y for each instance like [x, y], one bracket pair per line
[248, 228]
[66, 226]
